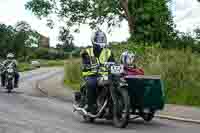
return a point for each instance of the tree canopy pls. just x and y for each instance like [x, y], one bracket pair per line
[148, 20]
[17, 39]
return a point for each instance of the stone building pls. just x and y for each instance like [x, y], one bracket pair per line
[44, 42]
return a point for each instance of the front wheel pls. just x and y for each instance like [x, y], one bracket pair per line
[121, 109]
[9, 86]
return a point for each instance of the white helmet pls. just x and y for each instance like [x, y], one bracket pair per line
[127, 58]
[99, 38]
[10, 55]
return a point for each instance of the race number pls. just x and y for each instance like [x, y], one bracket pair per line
[117, 69]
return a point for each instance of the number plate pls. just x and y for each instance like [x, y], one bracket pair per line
[117, 69]
[105, 78]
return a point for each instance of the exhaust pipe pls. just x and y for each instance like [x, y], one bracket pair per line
[83, 112]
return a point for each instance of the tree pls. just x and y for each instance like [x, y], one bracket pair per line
[7, 34]
[67, 39]
[154, 22]
[17, 39]
[147, 19]
[197, 33]
[21, 40]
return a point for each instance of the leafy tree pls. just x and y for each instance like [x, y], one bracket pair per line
[197, 33]
[67, 39]
[17, 39]
[7, 34]
[153, 21]
[148, 20]
[22, 38]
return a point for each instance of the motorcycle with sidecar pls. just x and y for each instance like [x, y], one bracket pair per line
[122, 97]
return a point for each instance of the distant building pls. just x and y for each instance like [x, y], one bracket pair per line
[44, 42]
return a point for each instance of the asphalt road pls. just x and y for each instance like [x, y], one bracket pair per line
[21, 112]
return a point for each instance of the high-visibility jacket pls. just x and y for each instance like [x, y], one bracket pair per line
[104, 57]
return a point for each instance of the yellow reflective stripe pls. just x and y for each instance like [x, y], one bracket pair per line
[87, 73]
[98, 62]
[105, 55]
[103, 73]
[90, 52]
[91, 73]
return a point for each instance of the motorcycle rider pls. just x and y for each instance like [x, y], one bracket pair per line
[98, 54]
[10, 60]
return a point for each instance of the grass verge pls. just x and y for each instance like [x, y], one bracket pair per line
[72, 73]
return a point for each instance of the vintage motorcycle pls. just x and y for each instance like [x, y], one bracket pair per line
[112, 100]
[9, 77]
[122, 97]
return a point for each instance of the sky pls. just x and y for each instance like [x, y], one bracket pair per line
[186, 16]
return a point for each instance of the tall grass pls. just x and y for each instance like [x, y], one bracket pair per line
[72, 73]
[179, 69]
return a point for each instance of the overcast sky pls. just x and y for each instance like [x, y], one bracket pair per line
[186, 15]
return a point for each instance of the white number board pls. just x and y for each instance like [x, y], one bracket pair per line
[117, 69]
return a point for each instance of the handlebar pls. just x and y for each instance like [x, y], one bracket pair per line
[106, 64]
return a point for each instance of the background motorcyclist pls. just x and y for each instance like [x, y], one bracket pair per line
[96, 55]
[10, 60]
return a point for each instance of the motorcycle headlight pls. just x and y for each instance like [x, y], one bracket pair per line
[9, 76]
[10, 70]
[104, 77]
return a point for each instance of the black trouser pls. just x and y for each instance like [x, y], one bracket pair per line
[3, 77]
[91, 94]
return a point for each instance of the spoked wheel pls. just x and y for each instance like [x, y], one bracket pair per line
[121, 109]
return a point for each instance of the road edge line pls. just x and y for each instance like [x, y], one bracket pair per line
[178, 119]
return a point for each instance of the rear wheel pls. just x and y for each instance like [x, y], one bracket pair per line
[121, 109]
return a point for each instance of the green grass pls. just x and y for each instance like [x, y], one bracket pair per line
[51, 63]
[72, 73]
[179, 69]
[25, 67]
[73, 86]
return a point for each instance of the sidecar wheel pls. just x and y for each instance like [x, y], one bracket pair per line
[148, 116]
